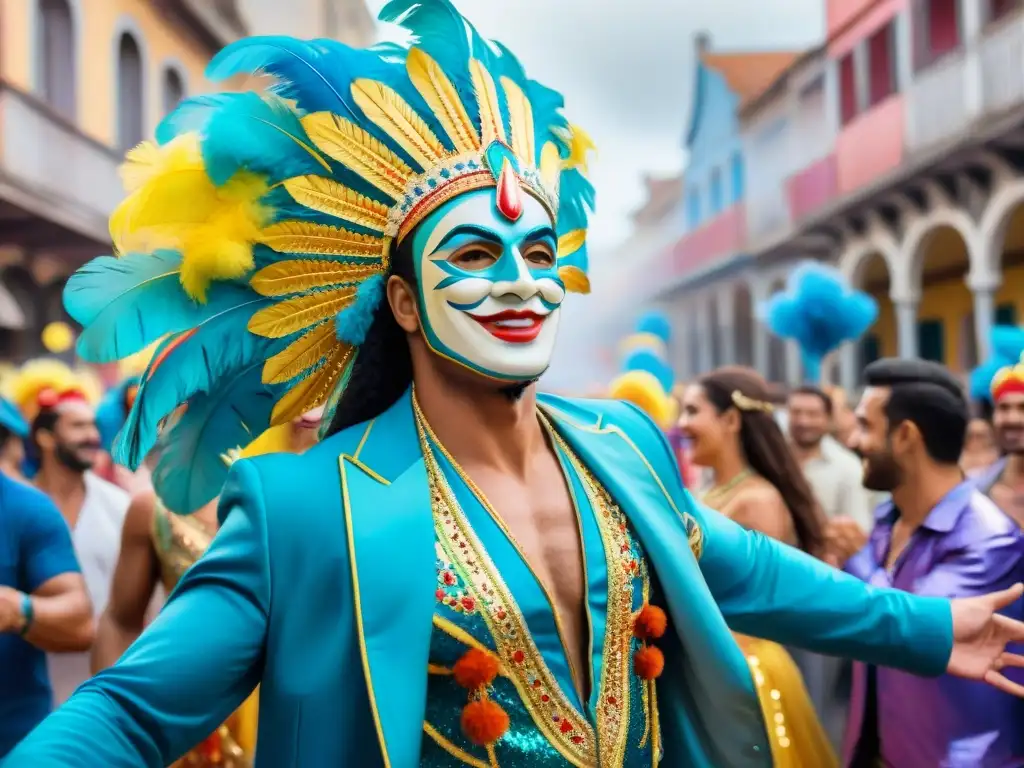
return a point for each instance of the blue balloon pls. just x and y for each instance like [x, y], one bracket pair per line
[656, 324]
[647, 360]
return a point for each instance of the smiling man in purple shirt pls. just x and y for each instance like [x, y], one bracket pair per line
[938, 536]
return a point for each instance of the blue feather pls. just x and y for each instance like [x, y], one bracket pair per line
[112, 412]
[197, 363]
[649, 361]
[127, 303]
[819, 311]
[262, 135]
[656, 324]
[192, 115]
[11, 419]
[190, 471]
[353, 322]
[576, 199]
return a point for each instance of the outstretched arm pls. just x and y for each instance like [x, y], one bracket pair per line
[135, 580]
[770, 590]
[190, 669]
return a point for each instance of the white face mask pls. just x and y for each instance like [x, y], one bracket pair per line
[489, 287]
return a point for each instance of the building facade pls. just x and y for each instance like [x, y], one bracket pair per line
[82, 81]
[895, 152]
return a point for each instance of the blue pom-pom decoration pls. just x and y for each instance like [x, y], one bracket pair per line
[656, 324]
[650, 361]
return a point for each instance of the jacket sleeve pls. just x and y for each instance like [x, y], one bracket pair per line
[191, 668]
[768, 589]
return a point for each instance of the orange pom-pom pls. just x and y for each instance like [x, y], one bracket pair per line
[650, 624]
[476, 669]
[484, 722]
[649, 662]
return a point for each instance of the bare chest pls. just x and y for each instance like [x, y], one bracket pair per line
[1010, 500]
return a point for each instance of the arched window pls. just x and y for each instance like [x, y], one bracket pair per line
[130, 114]
[55, 47]
[174, 89]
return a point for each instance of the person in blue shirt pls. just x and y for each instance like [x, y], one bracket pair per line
[43, 603]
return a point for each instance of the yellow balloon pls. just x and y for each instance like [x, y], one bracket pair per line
[58, 337]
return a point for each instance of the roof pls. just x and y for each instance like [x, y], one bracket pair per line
[748, 74]
[662, 196]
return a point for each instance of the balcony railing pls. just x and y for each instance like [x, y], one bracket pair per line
[767, 214]
[813, 187]
[962, 89]
[53, 169]
[719, 238]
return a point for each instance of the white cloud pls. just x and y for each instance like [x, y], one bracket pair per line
[626, 70]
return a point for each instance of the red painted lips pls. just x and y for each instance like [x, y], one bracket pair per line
[513, 326]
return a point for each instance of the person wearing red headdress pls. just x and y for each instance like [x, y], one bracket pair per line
[1004, 481]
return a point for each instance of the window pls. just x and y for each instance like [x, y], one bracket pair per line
[737, 181]
[847, 89]
[936, 29]
[1006, 314]
[870, 350]
[174, 89]
[881, 64]
[931, 341]
[717, 193]
[693, 212]
[56, 52]
[130, 120]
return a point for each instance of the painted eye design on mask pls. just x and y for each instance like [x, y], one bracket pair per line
[474, 257]
[538, 256]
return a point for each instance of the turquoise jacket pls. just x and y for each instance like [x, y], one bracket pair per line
[320, 588]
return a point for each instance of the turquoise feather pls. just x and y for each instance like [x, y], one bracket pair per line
[111, 413]
[260, 135]
[190, 470]
[353, 322]
[127, 303]
[192, 115]
[11, 419]
[215, 350]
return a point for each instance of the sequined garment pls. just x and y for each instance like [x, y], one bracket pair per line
[179, 541]
[477, 565]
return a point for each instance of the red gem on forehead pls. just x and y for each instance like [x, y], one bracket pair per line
[509, 194]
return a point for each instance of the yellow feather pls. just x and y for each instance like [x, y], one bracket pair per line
[301, 355]
[492, 128]
[301, 275]
[348, 144]
[397, 119]
[175, 206]
[442, 98]
[313, 391]
[575, 279]
[141, 162]
[550, 165]
[334, 199]
[521, 116]
[580, 144]
[287, 317]
[321, 239]
[571, 242]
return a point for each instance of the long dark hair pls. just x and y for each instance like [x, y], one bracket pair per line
[766, 450]
[382, 370]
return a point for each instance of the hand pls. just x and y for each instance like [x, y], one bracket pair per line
[980, 636]
[843, 538]
[10, 610]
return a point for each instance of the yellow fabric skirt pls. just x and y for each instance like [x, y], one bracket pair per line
[797, 737]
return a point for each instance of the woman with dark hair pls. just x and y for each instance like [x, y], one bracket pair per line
[728, 419]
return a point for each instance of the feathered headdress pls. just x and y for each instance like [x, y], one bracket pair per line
[257, 231]
[818, 311]
[45, 383]
[1000, 372]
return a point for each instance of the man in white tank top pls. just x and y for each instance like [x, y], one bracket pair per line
[67, 443]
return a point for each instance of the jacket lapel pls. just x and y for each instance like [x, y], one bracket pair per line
[716, 676]
[390, 531]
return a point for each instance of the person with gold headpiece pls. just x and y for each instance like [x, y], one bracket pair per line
[63, 447]
[463, 571]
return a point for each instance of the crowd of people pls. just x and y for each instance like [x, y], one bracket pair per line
[332, 522]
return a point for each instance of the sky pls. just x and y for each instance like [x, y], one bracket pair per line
[625, 68]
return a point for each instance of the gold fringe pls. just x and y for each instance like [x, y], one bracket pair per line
[321, 239]
[345, 142]
[492, 128]
[286, 317]
[334, 199]
[397, 119]
[521, 117]
[442, 98]
[301, 355]
[302, 275]
[313, 391]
